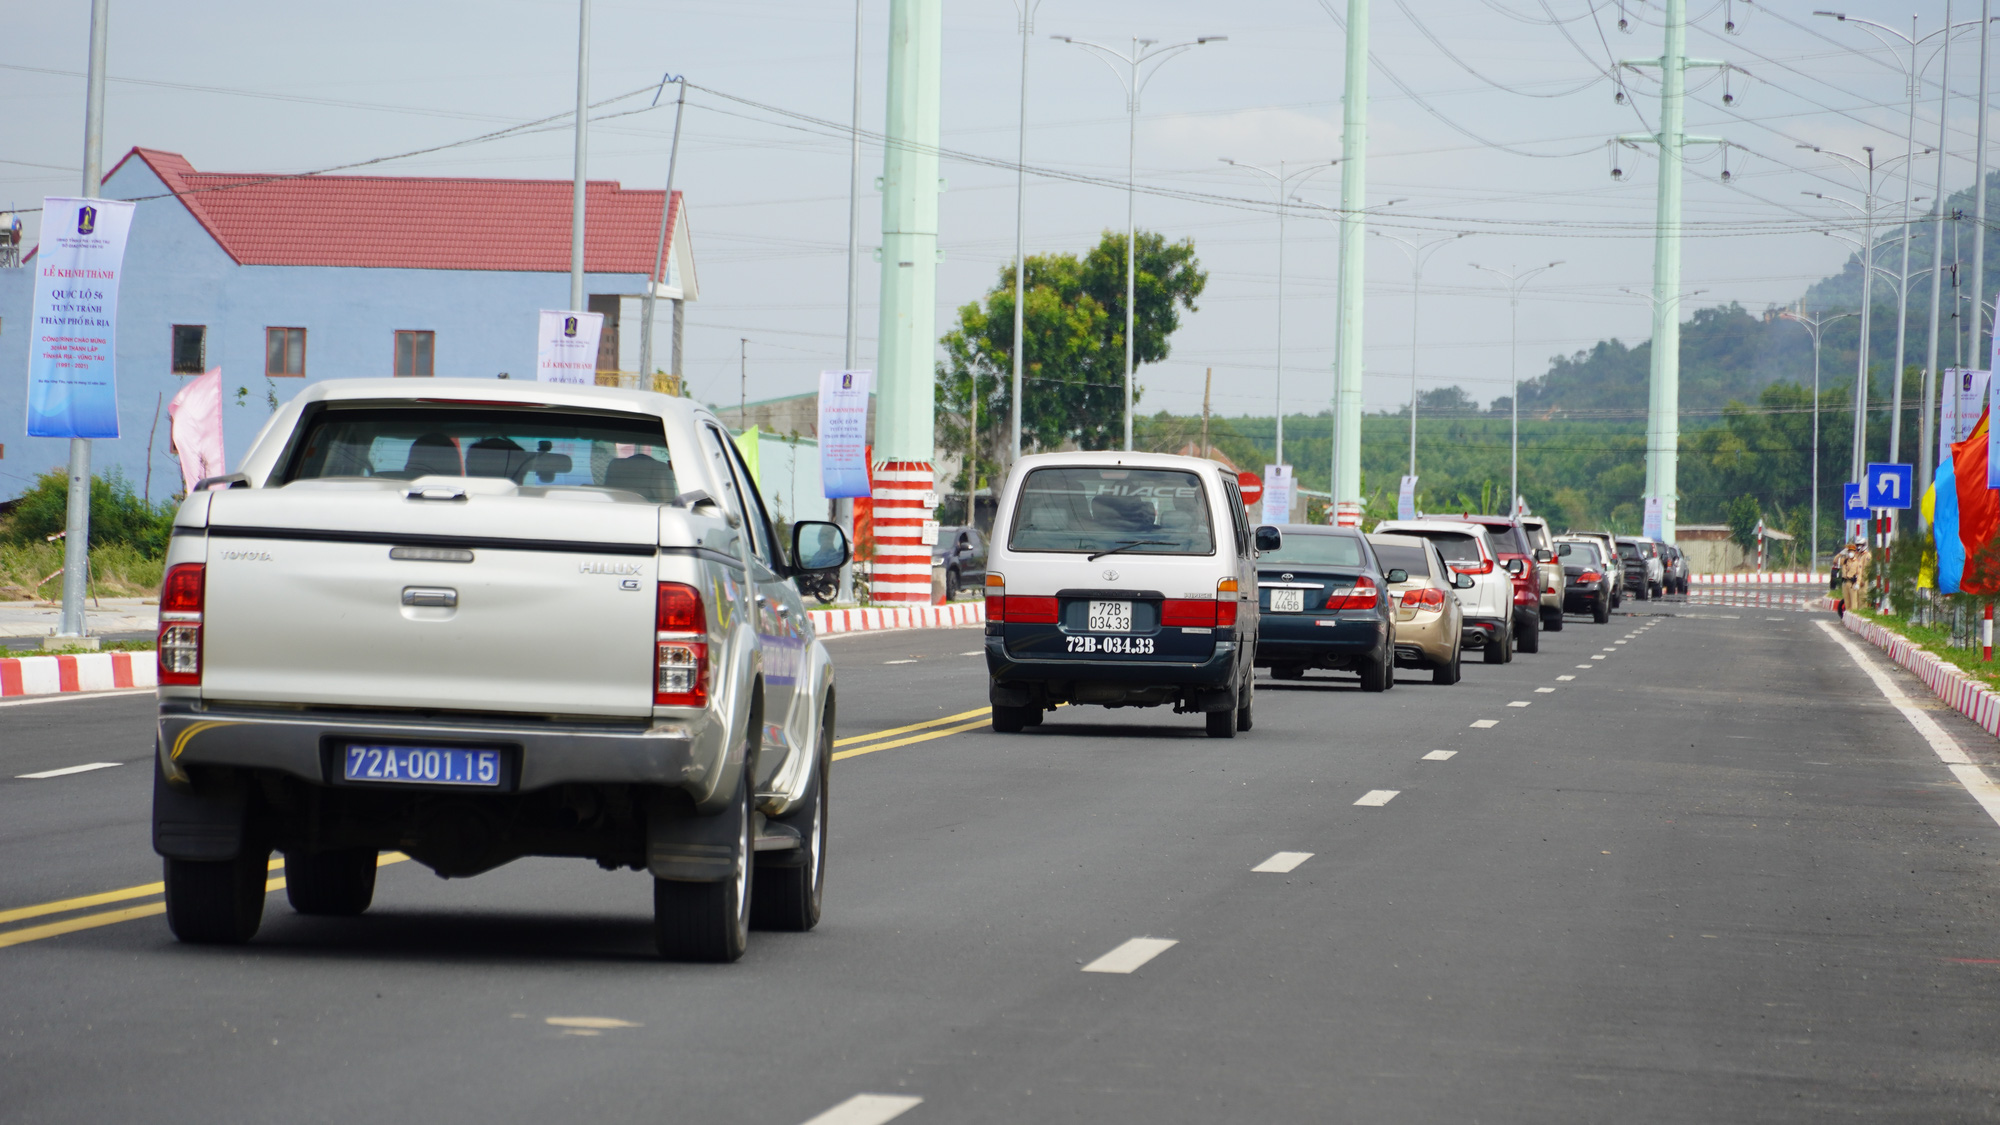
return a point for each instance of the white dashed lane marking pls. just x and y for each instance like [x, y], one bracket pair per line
[1594, 656]
[1519, 703]
[1572, 677]
[1128, 957]
[899, 662]
[1378, 797]
[867, 1109]
[1548, 690]
[1440, 755]
[1482, 724]
[1584, 665]
[1282, 862]
[67, 770]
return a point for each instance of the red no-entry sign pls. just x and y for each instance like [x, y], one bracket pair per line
[1252, 486]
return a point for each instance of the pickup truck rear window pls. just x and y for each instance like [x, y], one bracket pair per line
[627, 455]
[1087, 510]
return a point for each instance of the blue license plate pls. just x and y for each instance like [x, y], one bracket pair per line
[422, 765]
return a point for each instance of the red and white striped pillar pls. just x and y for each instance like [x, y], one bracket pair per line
[902, 570]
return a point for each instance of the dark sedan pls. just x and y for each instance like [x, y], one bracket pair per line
[1588, 580]
[1323, 602]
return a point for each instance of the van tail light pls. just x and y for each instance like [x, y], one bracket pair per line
[182, 596]
[1225, 604]
[1020, 609]
[1483, 566]
[1187, 613]
[996, 597]
[680, 648]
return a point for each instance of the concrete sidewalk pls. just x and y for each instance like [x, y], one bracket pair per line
[107, 616]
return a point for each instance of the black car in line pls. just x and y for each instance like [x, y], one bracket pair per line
[1323, 602]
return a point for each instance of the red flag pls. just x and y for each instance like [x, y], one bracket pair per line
[1978, 513]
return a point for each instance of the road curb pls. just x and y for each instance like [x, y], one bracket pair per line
[1955, 688]
[877, 618]
[90, 671]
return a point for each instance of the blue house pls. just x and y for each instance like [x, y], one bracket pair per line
[282, 279]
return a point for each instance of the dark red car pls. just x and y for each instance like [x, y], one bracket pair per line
[1508, 541]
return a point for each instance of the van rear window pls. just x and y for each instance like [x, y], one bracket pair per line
[1085, 510]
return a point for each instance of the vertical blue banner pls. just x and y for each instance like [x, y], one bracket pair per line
[72, 377]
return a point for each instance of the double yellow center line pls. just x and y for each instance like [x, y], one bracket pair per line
[856, 745]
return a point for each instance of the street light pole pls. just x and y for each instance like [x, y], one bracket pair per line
[660, 251]
[582, 156]
[1027, 10]
[76, 522]
[843, 510]
[1280, 180]
[1134, 79]
[1515, 283]
[1814, 325]
[1418, 252]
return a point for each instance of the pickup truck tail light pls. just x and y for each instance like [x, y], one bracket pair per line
[1427, 595]
[680, 648]
[182, 595]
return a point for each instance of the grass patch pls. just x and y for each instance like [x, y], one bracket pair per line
[1935, 639]
[117, 570]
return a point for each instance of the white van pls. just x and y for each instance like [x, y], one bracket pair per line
[1123, 580]
[1488, 599]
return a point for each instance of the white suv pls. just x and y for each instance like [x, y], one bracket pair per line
[1485, 590]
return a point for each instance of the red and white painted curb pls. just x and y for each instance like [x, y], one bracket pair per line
[1756, 578]
[89, 671]
[900, 617]
[1969, 698]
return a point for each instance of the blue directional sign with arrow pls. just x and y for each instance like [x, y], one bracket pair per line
[1889, 486]
[1855, 505]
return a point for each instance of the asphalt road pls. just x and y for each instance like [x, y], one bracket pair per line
[1689, 866]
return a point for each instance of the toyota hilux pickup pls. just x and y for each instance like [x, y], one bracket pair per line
[472, 621]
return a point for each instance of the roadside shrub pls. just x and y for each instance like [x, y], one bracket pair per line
[117, 515]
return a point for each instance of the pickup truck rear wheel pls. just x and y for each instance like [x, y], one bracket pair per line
[788, 898]
[709, 921]
[337, 882]
[217, 902]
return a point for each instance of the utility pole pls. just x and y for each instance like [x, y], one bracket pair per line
[1814, 325]
[1937, 275]
[1419, 253]
[1134, 77]
[905, 496]
[1207, 382]
[1663, 424]
[743, 382]
[1515, 283]
[660, 252]
[76, 524]
[1979, 192]
[843, 510]
[582, 157]
[1027, 10]
[1346, 481]
[1279, 180]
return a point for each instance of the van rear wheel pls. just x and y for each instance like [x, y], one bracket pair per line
[1009, 720]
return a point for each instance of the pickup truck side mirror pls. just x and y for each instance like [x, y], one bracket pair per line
[818, 546]
[1394, 577]
[1269, 538]
[1543, 554]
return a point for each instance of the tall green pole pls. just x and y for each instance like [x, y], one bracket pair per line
[905, 418]
[1353, 254]
[1664, 402]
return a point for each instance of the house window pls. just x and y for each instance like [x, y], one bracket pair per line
[190, 349]
[284, 351]
[413, 354]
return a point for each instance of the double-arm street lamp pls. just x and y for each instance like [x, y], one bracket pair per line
[1281, 180]
[1419, 253]
[1814, 325]
[1133, 73]
[1515, 283]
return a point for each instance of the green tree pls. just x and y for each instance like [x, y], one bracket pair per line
[1073, 386]
[1744, 515]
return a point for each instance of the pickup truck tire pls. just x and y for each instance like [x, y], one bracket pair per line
[709, 921]
[337, 882]
[217, 902]
[1010, 720]
[788, 898]
[1531, 637]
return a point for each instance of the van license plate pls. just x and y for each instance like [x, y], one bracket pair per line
[1110, 617]
[422, 765]
[1288, 601]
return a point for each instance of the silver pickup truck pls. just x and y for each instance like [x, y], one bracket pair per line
[476, 620]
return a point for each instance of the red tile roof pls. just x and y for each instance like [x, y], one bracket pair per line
[413, 223]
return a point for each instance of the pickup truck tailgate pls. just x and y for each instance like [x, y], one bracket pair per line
[364, 596]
